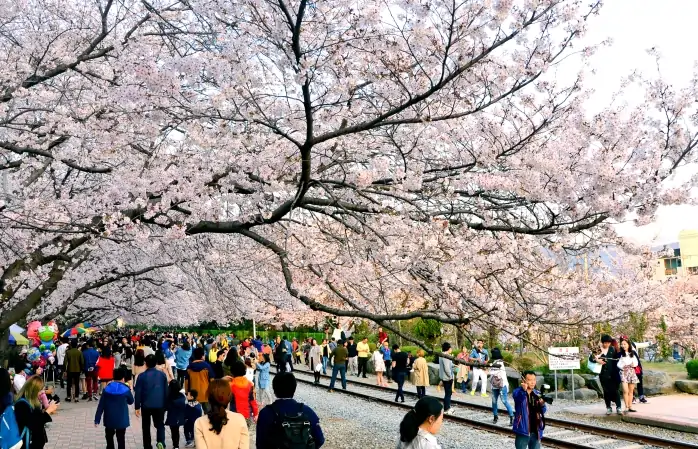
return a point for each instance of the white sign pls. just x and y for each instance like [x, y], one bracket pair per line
[563, 358]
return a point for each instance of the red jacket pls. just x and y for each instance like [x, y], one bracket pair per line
[243, 401]
[105, 368]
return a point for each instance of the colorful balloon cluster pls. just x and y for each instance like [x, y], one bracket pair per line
[41, 338]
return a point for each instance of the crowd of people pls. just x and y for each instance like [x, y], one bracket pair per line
[214, 389]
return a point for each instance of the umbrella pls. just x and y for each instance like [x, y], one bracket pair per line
[16, 336]
[74, 331]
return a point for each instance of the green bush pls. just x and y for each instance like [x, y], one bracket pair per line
[508, 357]
[692, 368]
[523, 363]
[372, 346]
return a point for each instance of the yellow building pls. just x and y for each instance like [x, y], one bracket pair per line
[678, 259]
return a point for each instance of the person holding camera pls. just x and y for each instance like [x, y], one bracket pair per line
[529, 411]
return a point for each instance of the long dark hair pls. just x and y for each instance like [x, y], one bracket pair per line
[423, 410]
[139, 359]
[631, 351]
[160, 357]
[219, 395]
[173, 391]
[231, 358]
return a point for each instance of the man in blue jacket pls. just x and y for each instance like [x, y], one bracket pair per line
[114, 404]
[151, 394]
[91, 355]
[270, 434]
[528, 416]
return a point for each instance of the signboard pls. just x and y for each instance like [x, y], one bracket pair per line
[563, 358]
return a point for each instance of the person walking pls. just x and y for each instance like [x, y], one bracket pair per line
[420, 425]
[500, 385]
[353, 357]
[192, 413]
[421, 374]
[480, 356]
[176, 407]
[151, 395]
[74, 366]
[529, 421]
[105, 368]
[285, 408]
[113, 404]
[609, 375]
[400, 371]
[60, 359]
[463, 369]
[628, 360]
[221, 428]
[315, 356]
[199, 376]
[182, 356]
[264, 380]
[338, 357]
[639, 371]
[91, 377]
[446, 376]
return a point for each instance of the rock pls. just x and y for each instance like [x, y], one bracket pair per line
[583, 394]
[567, 381]
[657, 382]
[370, 366]
[592, 381]
[433, 373]
[687, 386]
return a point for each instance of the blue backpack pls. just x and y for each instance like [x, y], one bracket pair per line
[10, 438]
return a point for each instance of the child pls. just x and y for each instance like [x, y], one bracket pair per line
[114, 404]
[249, 374]
[243, 401]
[193, 412]
[176, 407]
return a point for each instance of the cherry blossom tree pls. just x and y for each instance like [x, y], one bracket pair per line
[376, 160]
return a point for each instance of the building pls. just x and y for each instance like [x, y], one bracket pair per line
[679, 259]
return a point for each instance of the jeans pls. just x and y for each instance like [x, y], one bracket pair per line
[504, 392]
[400, 379]
[479, 374]
[120, 438]
[158, 416]
[363, 363]
[610, 392]
[354, 365]
[526, 442]
[342, 368]
[421, 392]
[448, 391]
[324, 365]
[74, 381]
[181, 376]
[91, 380]
[174, 431]
[189, 431]
[388, 369]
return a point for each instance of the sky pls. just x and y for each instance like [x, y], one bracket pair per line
[634, 27]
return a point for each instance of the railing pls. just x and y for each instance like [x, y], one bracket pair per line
[670, 271]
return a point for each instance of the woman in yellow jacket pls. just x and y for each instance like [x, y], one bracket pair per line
[421, 374]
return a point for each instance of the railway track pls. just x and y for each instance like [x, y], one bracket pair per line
[558, 433]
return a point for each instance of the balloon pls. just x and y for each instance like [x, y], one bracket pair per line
[54, 327]
[51, 359]
[33, 354]
[33, 329]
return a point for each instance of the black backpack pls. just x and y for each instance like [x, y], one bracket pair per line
[295, 430]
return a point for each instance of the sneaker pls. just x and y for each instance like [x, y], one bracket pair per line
[484, 395]
[160, 446]
[643, 399]
[634, 400]
[89, 399]
[450, 411]
[94, 396]
[496, 418]
[609, 410]
[511, 420]
[472, 393]
[618, 411]
[189, 444]
[84, 396]
[67, 399]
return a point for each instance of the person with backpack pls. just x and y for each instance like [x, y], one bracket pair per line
[151, 396]
[176, 407]
[500, 385]
[92, 385]
[286, 422]
[30, 415]
[221, 428]
[114, 403]
[199, 375]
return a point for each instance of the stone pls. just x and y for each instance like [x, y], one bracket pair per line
[657, 382]
[592, 381]
[370, 366]
[581, 394]
[687, 386]
[567, 381]
[433, 373]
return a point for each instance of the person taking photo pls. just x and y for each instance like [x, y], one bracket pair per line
[529, 413]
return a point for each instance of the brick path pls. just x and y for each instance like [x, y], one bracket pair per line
[73, 427]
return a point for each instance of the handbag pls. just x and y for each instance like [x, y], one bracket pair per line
[594, 367]
[638, 370]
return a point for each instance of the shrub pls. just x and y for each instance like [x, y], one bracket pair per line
[523, 363]
[508, 357]
[692, 368]
[372, 346]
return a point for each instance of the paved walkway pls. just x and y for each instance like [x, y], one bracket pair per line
[73, 427]
[676, 412]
